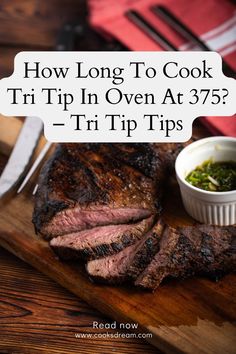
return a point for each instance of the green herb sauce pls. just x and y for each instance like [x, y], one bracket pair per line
[214, 176]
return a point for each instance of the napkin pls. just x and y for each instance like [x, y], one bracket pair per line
[214, 21]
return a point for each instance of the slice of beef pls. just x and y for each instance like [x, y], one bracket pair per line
[147, 251]
[87, 185]
[75, 220]
[199, 249]
[214, 250]
[100, 241]
[129, 262]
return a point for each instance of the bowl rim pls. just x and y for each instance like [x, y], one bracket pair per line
[189, 147]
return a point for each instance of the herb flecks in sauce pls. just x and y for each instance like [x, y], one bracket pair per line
[214, 176]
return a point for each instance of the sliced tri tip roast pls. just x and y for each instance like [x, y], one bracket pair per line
[167, 252]
[186, 251]
[101, 203]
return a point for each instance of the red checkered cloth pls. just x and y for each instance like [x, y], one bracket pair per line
[214, 21]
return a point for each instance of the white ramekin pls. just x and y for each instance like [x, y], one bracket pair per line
[217, 208]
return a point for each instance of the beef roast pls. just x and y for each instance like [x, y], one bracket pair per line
[168, 252]
[127, 263]
[199, 249]
[98, 202]
[99, 241]
[88, 185]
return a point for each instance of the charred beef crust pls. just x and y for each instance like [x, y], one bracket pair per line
[159, 267]
[145, 255]
[115, 175]
[141, 157]
[169, 151]
[100, 251]
[215, 251]
[199, 249]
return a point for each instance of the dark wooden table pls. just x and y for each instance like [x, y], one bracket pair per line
[36, 314]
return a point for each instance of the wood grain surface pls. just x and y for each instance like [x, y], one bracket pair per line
[37, 315]
[191, 316]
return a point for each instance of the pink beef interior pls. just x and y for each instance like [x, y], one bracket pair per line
[91, 238]
[73, 220]
[114, 266]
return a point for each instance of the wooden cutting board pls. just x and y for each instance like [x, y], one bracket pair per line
[186, 316]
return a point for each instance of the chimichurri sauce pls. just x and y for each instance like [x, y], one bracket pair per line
[214, 176]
